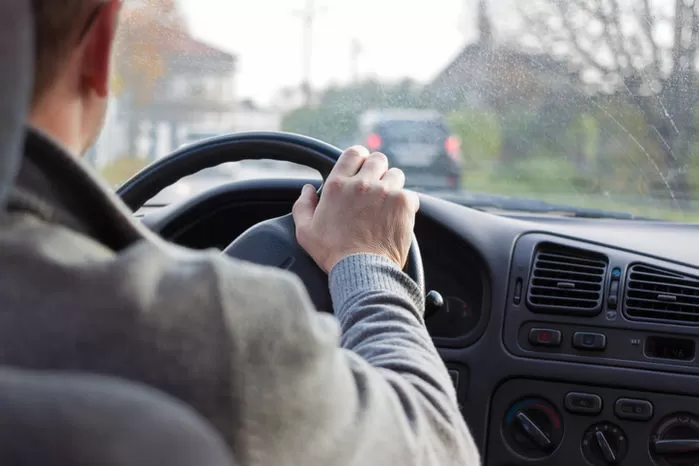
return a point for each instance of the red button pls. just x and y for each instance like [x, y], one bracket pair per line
[545, 337]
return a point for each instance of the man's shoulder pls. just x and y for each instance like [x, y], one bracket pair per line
[153, 268]
[209, 272]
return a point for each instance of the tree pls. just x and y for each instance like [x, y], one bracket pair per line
[644, 51]
[140, 58]
[334, 119]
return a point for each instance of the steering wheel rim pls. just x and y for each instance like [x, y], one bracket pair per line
[256, 145]
[272, 242]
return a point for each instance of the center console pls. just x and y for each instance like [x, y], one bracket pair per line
[574, 424]
[580, 302]
[591, 305]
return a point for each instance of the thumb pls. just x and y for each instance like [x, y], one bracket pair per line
[305, 206]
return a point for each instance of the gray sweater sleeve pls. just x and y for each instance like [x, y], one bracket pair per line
[366, 387]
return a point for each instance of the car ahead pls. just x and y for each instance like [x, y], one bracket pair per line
[418, 142]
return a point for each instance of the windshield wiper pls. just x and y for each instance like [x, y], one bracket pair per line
[491, 202]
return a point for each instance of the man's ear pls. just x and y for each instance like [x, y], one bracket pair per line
[99, 41]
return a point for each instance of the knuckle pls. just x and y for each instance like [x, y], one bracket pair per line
[361, 186]
[381, 190]
[380, 157]
[334, 185]
[356, 151]
[400, 199]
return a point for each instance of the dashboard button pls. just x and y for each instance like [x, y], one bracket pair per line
[583, 403]
[518, 292]
[545, 337]
[613, 298]
[454, 378]
[633, 410]
[589, 341]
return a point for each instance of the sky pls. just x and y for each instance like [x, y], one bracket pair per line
[400, 38]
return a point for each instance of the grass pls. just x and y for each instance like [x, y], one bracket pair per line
[486, 182]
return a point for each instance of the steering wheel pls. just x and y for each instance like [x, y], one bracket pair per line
[272, 242]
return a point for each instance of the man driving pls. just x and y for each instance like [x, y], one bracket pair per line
[85, 288]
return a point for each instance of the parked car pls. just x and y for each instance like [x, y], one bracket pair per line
[417, 141]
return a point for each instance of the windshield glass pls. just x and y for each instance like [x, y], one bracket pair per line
[523, 105]
[412, 131]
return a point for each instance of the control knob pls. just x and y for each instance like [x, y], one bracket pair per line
[676, 440]
[604, 444]
[532, 428]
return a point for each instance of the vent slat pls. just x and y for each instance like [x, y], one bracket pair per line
[657, 294]
[551, 291]
[649, 285]
[558, 275]
[662, 296]
[566, 281]
[570, 266]
[576, 259]
[556, 283]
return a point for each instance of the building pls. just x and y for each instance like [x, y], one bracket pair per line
[195, 92]
[486, 74]
[531, 94]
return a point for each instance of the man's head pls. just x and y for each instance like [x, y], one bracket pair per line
[74, 41]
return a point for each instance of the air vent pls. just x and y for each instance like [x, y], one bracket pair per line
[566, 281]
[657, 294]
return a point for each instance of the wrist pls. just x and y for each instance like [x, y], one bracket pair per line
[334, 260]
[360, 273]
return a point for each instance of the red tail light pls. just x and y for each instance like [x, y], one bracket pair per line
[453, 147]
[373, 141]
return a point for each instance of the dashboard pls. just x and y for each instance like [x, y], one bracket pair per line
[570, 341]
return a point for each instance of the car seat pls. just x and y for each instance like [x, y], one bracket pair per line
[62, 419]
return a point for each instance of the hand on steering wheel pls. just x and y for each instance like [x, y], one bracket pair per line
[272, 242]
[363, 209]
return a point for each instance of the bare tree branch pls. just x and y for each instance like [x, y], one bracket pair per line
[574, 40]
[621, 41]
[647, 24]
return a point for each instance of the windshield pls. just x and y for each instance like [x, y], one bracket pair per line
[412, 131]
[555, 104]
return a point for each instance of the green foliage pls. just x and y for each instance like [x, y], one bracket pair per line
[628, 156]
[334, 119]
[544, 173]
[328, 124]
[480, 134]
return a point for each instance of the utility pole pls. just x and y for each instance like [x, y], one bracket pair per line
[355, 52]
[308, 15]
